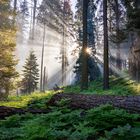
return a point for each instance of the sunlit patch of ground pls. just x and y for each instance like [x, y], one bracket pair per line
[25, 100]
[118, 86]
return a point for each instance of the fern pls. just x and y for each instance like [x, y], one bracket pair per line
[104, 122]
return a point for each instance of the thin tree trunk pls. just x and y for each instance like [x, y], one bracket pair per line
[7, 92]
[84, 79]
[63, 49]
[42, 59]
[106, 62]
[110, 16]
[15, 6]
[44, 79]
[118, 63]
[14, 10]
[31, 21]
[34, 16]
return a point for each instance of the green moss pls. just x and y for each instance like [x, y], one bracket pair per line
[25, 100]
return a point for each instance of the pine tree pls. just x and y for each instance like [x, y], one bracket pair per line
[7, 46]
[31, 74]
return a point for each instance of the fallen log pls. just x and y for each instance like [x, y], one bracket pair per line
[81, 101]
[9, 111]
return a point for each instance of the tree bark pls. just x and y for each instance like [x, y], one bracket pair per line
[44, 79]
[14, 10]
[82, 101]
[118, 63]
[42, 59]
[34, 16]
[15, 6]
[64, 47]
[84, 79]
[9, 111]
[106, 62]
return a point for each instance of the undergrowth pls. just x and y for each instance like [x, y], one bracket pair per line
[61, 123]
[118, 86]
[104, 122]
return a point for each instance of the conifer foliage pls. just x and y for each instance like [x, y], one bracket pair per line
[31, 74]
[7, 46]
[93, 71]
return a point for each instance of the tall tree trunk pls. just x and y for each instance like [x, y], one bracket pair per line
[118, 62]
[64, 48]
[44, 79]
[14, 10]
[34, 16]
[42, 59]
[15, 6]
[106, 62]
[110, 16]
[137, 4]
[6, 92]
[84, 79]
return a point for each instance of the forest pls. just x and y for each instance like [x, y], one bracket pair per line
[69, 69]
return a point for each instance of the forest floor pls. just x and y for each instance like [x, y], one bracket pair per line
[70, 114]
[77, 101]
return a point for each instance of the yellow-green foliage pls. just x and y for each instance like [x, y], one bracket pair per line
[23, 101]
[7, 46]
